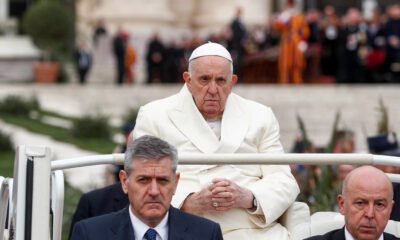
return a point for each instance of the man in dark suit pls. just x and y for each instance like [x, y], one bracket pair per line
[83, 62]
[107, 199]
[150, 179]
[99, 202]
[366, 203]
[119, 47]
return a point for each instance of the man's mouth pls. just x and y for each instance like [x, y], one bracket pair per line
[367, 228]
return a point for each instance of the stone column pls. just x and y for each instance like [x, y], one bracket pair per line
[257, 12]
[183, 10]
[139, 14]
[3, 10]
[211, 15]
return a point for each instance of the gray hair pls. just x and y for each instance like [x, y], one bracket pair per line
[190, 66]
[149, 147]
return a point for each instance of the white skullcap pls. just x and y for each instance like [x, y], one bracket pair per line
[211, 49]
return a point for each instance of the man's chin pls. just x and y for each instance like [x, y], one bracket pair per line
[212, 112]
[153, 214]
[368, 235]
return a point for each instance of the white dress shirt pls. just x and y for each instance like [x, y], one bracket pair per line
[140, 228]
[348, 236]
[215, 126]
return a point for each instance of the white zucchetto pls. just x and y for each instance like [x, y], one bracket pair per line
[211, 49]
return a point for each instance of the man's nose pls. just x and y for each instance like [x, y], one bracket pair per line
[153, 188]
[370, 211]
[212, 87]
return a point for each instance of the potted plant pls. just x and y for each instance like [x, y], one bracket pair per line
[50, 25]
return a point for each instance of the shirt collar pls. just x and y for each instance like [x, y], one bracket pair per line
[349, 237]
[140, 228]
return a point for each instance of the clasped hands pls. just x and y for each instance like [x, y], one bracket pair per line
[221, 195]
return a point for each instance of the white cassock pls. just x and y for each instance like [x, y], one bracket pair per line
[246, 127]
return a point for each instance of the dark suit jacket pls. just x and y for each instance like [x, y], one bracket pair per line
[396, 207]
[98, 202]
[338, 234]
[118, 226]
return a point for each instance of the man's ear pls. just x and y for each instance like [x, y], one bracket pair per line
[123, 178]
[177, 177]
[234, 79]
[186, 77]
[340, 201]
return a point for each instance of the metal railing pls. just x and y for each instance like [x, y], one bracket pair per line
[44, 169]
[246, 159]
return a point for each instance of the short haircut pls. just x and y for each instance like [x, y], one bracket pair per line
[149, 147]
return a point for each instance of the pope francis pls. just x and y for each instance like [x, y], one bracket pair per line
[206, 117]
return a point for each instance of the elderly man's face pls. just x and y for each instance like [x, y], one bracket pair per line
[367, 205]
[150, 187]
[210, 84]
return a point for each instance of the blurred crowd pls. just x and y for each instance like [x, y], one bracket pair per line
[335, 49]
[320, 184]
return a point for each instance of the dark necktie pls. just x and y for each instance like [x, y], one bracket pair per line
[151, 234]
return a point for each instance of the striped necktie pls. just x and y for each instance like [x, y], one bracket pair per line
[151, 234]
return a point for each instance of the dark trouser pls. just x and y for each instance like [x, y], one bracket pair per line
[120, 72]
[82, 75]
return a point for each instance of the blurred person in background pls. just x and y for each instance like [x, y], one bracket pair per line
[99, 31]
[155, 59]
[110, 198]
[294, 32]
[118, 46]
[238, 37]
[375, 60]
[130, 59]
[83, 61]
[352, 48]
[330, 24]
[314, 45]
[393, 42]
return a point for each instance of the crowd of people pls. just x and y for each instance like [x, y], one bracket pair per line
[292, 47]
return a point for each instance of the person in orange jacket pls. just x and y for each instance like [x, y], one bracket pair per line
[294, 31]
[130, 60]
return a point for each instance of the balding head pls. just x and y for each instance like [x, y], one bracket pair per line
[367, 176]
[366, 202]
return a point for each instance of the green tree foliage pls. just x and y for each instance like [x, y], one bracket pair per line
[16, 105]
[130, 117]
[383, 123]
[92, 127]
[6, 144]
[51, 27]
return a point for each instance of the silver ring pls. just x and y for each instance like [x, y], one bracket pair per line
[215, 204]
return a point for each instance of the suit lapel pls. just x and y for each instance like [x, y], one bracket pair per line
[122, 225]
[235, 124]
[177, 226]
[191, 123]
[339, 235]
